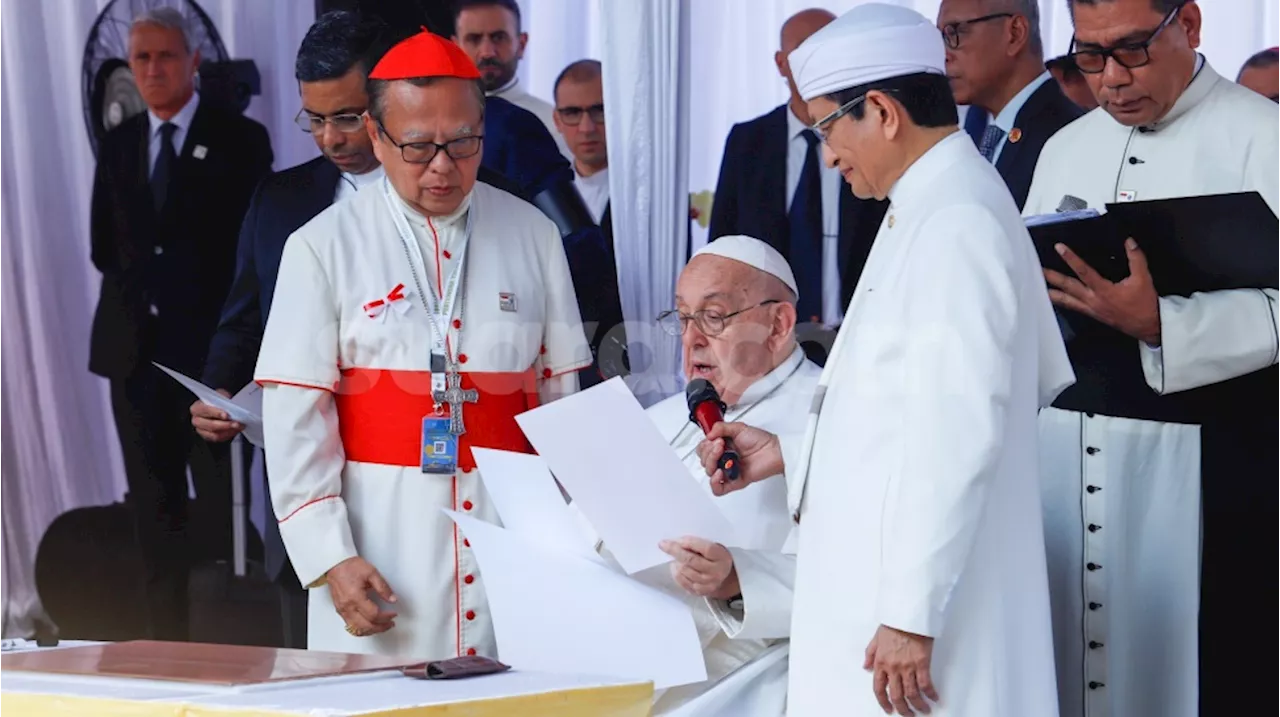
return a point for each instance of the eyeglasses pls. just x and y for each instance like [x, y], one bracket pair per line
[314, 124]
[952, 31]
[710, 322]
[424, 152]
[573, 115]
[823, 125]
[1129, 55]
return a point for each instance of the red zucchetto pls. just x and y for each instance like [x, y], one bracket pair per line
[425, 55]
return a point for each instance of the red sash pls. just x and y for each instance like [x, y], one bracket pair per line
[380, 414]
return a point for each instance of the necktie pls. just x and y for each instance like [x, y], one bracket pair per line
[805, 219]
[163, 170]
[990, 140]
[975, 122]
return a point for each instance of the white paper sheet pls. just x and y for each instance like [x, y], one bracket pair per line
[559, 613]
[529, 502]
[622, 474]
[239, 412]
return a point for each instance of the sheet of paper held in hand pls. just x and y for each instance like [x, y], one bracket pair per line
[556, 612]
[622, 474]
[530, 503]
[245, 408]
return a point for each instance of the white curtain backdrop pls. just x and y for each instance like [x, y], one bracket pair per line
[59, 443]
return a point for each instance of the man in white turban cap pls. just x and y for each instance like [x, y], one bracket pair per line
[920, 583]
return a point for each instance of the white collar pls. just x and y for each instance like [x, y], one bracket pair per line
[601, 175]
[1009, 114]
[770, 381]
[417, 219]
[1204, 80]
[181, 120]
[794, 125]
[914, 183]
[360, 181]
[510, 87]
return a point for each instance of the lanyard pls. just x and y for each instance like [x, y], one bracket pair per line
[439, 312]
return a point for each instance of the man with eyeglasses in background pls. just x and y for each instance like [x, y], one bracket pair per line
[411, 322]
[331, 67]
[1155, 516]
[995, 62]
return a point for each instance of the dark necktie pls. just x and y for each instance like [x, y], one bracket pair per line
[806, 234]
[990, 140]
[163, 171]
[975, 122]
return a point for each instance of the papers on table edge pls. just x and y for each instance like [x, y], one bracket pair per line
[244, 408]
[554, 611]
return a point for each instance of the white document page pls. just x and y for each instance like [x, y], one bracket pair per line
[252, 420]
[558, 613]
[530, 503]
[622, 474]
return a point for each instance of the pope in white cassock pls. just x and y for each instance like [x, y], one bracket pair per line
[920, 581]
[735, 311]
[1154, 514]
[411, 322]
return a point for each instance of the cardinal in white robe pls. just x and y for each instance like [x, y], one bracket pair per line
[920, 583]
[411, 323]
[735, 313]
[1153, 516]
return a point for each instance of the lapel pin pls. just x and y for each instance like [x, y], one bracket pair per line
[506, 301]
[890, 221]
[200, 152]
[1015, 135]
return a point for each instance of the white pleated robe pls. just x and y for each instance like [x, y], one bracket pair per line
[919, 501]
[343, 451]
[1122, 496]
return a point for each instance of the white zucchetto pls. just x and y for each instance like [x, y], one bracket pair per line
[753, 253]
[869, 43]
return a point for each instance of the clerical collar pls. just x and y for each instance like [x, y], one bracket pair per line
[767, 383]
[1202, 82]
[416, 218]
[929, 165]
[181, 120]
[510, 86]
[369, 178]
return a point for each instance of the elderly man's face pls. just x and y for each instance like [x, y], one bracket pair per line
[743, 352]
[849, 145]
[980, 62]
[1263, 80]
[1137, 96]
[163, 68]
[447, 110]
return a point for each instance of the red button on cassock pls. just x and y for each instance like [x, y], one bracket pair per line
[462, 358]
[546, 373]
[471, 614]
[469, 579]
[447, 255]
[471, 650]
[466, 543]
[457, 323]
[466, 505]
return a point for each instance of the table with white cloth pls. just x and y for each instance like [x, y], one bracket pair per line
[382, 693]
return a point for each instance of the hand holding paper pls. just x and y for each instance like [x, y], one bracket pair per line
[237, 409]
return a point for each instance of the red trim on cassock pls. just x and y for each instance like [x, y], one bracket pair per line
[380, 414]
[313, 501]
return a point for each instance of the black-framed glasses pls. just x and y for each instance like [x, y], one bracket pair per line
[345, 122]
[953, 31]
[1129, 55]
[424, 152]
[710, 322]
[574, 115]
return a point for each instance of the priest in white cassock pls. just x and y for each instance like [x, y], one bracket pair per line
[735, 311]
[1159, 466]
[920, 583]
[410, 324]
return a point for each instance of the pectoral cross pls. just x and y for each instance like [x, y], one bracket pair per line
[455, 396]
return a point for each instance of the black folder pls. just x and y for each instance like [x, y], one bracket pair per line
[1204, 243]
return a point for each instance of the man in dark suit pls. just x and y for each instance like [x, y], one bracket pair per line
[774, 186]
[995, 61]
[170, 188]
[331, 67]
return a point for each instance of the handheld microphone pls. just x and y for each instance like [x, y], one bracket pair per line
[706, 410]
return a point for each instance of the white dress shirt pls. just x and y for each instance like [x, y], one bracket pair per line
[182, 122]
[594, 191]
[350, 183]
[1009, 115]
[797, 147]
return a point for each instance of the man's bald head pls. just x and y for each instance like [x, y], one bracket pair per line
[756, 338]
[801, 25]
[796, 30]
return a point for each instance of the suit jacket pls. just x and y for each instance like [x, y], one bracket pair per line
[751, 197]
[1045, 112]
[165, 274]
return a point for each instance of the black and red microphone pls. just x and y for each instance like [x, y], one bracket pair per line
[706, 410]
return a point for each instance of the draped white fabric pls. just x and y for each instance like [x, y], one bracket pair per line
[59, 443]
[646, 89]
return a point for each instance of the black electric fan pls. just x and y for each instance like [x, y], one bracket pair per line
[108, 91]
